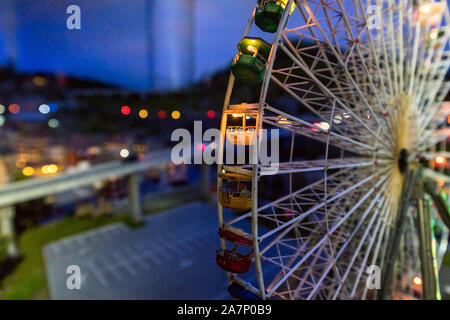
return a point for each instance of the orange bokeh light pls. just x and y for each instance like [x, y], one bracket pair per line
[417, 280]
[14, 108]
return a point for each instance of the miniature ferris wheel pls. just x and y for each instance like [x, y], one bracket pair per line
[356, 89]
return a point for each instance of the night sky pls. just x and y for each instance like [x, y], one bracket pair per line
[113, 44]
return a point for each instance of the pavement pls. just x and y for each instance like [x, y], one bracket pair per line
[171, 257]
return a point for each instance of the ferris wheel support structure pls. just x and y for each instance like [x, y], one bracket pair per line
[376, 94]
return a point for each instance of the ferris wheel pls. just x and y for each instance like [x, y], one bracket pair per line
[356, 90]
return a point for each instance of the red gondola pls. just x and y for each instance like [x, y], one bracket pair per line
[231, 260]
[235, 238]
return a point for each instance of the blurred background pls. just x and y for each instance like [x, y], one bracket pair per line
[85, 123]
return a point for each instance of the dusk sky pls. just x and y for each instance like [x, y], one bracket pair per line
[113, 45]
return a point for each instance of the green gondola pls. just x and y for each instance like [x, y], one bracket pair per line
[268, 14]
[249, 65]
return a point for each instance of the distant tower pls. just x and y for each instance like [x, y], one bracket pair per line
[170, 43]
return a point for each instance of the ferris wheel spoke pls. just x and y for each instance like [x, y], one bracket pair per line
[315, 165]
[381, 243]
[355, 252]
[353, 129]
[308, 200]
[356, 45]
[289, 200]
[323, 239]
[332, 47]
[328, 93]
[288, 122]
[350, 234]
[326, 73]
[361, 269]
[308, 196]
[286, 227]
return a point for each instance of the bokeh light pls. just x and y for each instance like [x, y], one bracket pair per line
[2, 121]
[52, 168]
[53, 123]
[425, 8]
[417, 280]
[39, 81]
[176, 114]
[201, 147]
[2, 109]
[125, 110]
[44, 108]
[143, 113]
[28, 171]
[210, 114]
[162, 114]
[124, 153]
[439, 159]
[53, 107]
[14, 108]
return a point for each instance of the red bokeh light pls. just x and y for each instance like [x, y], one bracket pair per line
[210, 114]
[125, 110]
[162, 114]
[201, 147]
[14, 108]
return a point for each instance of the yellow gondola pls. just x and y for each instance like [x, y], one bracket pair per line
[243, 131]
[235, 191]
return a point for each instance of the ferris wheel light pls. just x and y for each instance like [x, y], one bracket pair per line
[237, 115]
[430, 13]
[425, 8]
[417, 280]
[283, 120]
[324, 125]
[337, 119]
[434, 34]
[252, 49]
